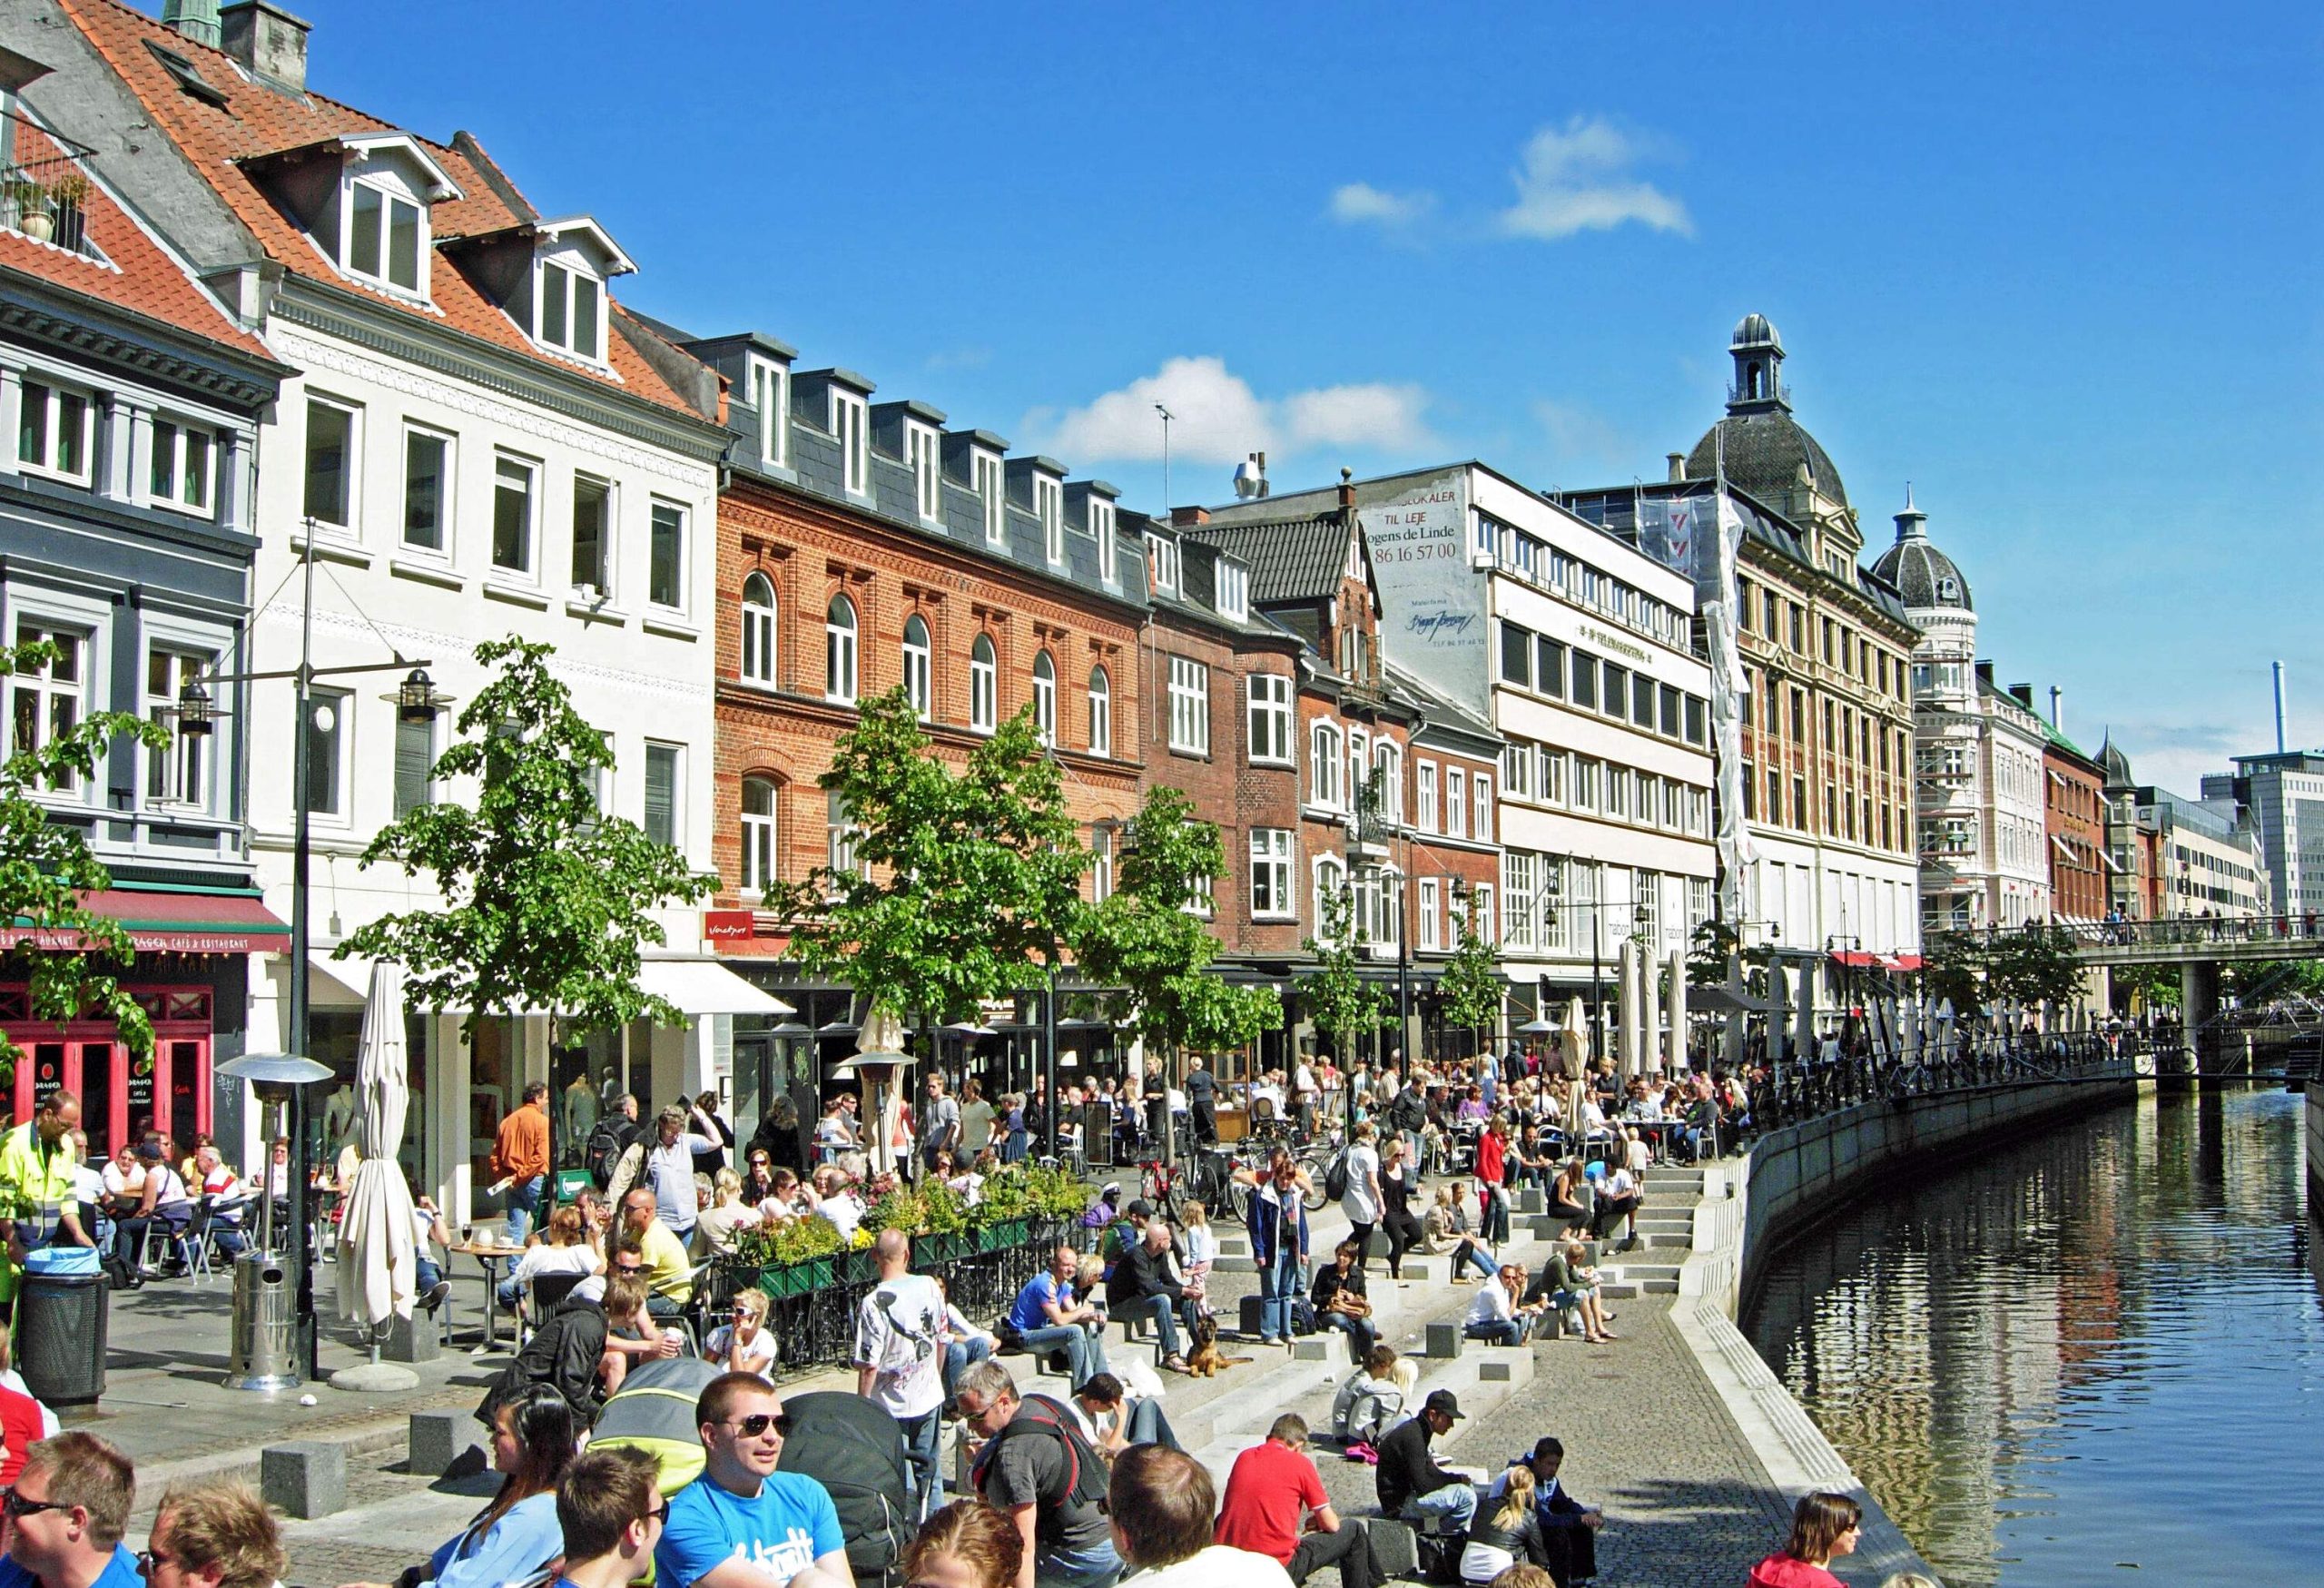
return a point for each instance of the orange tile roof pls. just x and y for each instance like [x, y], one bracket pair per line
[141, 276]
[259, 120]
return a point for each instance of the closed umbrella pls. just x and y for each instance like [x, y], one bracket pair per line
[1674, 1041]
[377, 1263]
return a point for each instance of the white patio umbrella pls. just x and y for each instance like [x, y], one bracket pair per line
[1778, 1004]
[1804, 1013]
[1674, 1040]
[376, 1264]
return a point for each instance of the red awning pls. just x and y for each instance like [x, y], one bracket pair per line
[1906, 961]
[1855, 960]
[184, 923]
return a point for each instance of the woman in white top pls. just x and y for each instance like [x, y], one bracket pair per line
[1361, 1202]
[565, 1251]
[714, 1232]
[746, 1345]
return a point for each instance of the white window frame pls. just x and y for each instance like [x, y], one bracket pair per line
[1189, 706]
[568, 289]
[1162, 563]
[1456, 802]
[984, 685]
[341, 704]
[850, 422]
[1325, 767]
[1273, 865]
[842, 650]
[1518, 878]
[1556, 775]
[187, 761]
[1618, 793]
[1202, 897]
[1551, 906]
[992, 496]
[1586, 770]
[425, 793]
[760, 832]
[1101, 712]
[1517, 769]
[663, 752]
[1048, 507]
[391, 197]
[1481, 911]
[1388, 759]
[1320, 892]
[1482, 828]
[447, 492]
[1424, 795]
[175, 438]
[1045, 697]
[924, 453]
[658, 509]
[920, 666]
[1234, 589]
[605, 491]
[503, 464]
[1101, 528]
[50, 398]
[760, 624]
[1268, 719]
[351, 466]
[770, 390]
[1431, 928]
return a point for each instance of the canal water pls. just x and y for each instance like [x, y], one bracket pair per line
[2093, 1357]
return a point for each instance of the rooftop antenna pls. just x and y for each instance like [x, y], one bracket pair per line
[1167, 417]
[2280, 708]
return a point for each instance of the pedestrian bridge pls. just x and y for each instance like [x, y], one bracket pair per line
[2197, 942]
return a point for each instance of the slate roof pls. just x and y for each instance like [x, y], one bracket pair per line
[136, 273]
[1765, 450]
[251, 119]
[1439, 708]
[1918, 571]
[1290, 560]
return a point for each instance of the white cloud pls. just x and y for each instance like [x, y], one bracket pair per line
[1579, 178]
[1581, 438]
[1218, 418]
[1360, 203]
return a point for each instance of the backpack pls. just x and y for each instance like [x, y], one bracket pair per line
[856, 1451]
[1336, 1176]
[607, 1142]
[1084, 1471]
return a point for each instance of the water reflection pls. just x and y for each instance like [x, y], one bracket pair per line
[2098, 1350]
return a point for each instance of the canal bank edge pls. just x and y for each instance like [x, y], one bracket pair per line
[2313, 1140]
[1791, 1179]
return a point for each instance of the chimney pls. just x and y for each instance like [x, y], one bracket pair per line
[267, 39]
[1182, 517]
[1984, 672]
[2057, 696]
[196, 19]
[1347, 495]
[1678, 462]
[2023, 694]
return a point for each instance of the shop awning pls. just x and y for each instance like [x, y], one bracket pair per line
[1906, 961]
[336, 983]
[1720, 1001]
[1859, 959]
[233, 921]
[706, 987]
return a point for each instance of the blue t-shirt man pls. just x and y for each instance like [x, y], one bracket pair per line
[1043, 1290]
[121, 1571]
[782, 1529]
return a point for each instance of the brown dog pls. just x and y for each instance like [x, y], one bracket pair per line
[1207, 1359]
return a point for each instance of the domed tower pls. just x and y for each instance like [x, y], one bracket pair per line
[1767, 453]
[1950, 800]
[1936, 599]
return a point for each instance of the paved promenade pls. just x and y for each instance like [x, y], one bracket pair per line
[1649, 1438]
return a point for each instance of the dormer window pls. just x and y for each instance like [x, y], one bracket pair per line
[1101, 525]
[1048, 507]
[1234, 590]
[850, 422]
[387, 235]
[992, 493]
[569, 311]
[770, 392]
[1162, 563]
[922, 453]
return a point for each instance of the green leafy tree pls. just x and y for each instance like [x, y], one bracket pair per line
[547, 900]
[1471, 984]
[956, 884]
[72, 959]
[1337, 996]
[2155, 986]
[1153, 954]
[2028, 968]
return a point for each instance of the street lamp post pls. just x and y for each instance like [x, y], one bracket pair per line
[417, 701]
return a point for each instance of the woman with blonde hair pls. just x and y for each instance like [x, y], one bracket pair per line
[726, 1215]
[967, 1545]
[1503, 1535]
[746, 1345]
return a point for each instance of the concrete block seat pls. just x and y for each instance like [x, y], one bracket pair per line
[304, 1478]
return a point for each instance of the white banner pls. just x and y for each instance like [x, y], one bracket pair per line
[1714, 593]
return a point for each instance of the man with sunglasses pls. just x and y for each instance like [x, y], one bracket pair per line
[66, 1512]
[212, 1536]
[742, 1524]
[611, 1508]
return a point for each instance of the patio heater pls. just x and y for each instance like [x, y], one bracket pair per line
[269, 1322]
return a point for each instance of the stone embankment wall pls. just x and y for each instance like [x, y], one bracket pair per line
[1797, 1175]
[2314, 1134]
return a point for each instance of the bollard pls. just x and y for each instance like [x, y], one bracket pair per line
[304, 1478]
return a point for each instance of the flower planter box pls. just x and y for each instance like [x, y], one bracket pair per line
[857, 1267]
[783, 1280]
[942, 1248]
[1008, 1233]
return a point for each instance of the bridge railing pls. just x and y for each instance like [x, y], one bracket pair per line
[2177, 931]
[1808, 1088]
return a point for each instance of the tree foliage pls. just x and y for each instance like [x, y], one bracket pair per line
[957, 882]
[2025, 967]
[1152, 954]
[547, 899]
[73, 959]
[1472, 983]
[1338, 998]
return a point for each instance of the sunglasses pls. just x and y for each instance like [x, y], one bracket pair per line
[149, 1560]
[756, 1425]
[660, 1512]
[15, 1505]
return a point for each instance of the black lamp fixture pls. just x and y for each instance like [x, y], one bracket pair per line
[416, 698]
[197, 713]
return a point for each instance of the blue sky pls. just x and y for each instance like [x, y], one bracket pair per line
[2057, 265]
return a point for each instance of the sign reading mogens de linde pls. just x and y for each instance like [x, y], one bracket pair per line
[1433, 603]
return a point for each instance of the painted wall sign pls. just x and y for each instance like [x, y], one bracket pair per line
[1433, 602]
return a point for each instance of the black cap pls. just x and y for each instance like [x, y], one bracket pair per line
[1440, 1400]
[1141, 1207]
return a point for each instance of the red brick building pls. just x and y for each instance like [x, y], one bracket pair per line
[2074, 810]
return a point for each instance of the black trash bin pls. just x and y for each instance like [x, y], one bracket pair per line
[60, 1336]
